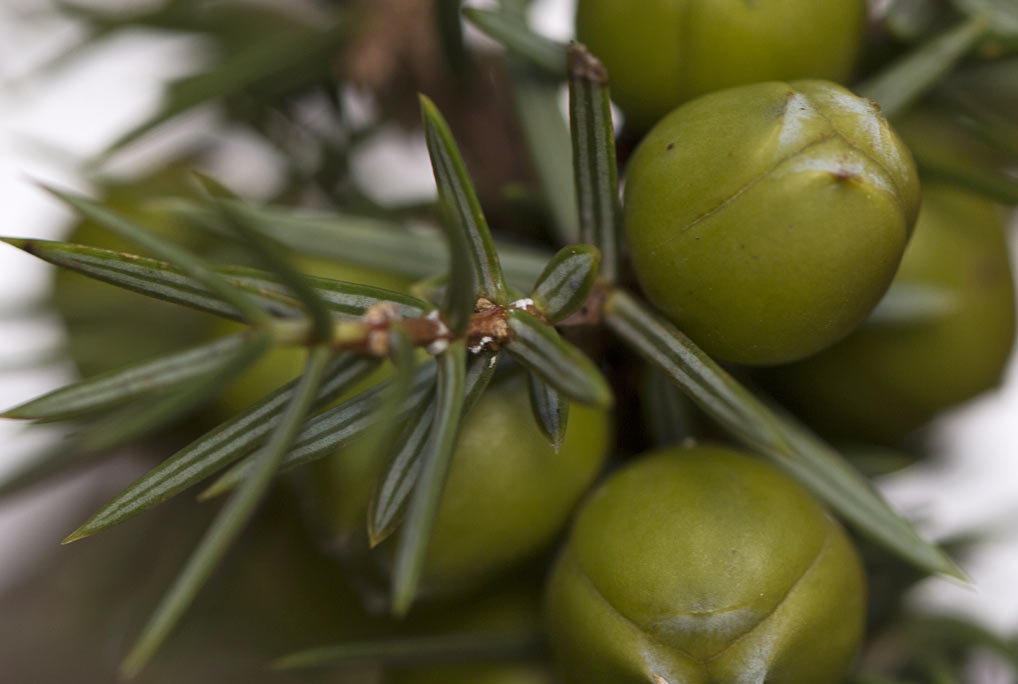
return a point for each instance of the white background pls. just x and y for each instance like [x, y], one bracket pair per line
[49, 125]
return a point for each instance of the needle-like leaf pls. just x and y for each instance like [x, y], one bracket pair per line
[775, 436]
[982, 98]
[212, 188]
[560, 364]
[566, 282]
[361, 240]
[907, 20]
[189, 263]
[147, 417]
[550, 410]
[122, 385]
[269, 253]
[666, 411]
[906, 80]
[158, 279]
[380, 440]
[543, 53]
[149, 277]
[467, 228]
[594, 165]
[387, 506]
[345, 299]
[1002, 14]
[230, 521]
[966, 143]
[546, 135]
[143, 417]
[221, 446]
[289, 55]
[333, 428]
[991, 183]
[417, 528]
[432, 648]
[450, 32]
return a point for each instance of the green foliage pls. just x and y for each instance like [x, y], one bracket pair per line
[400, 382]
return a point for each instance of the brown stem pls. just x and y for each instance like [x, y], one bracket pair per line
[487, 328]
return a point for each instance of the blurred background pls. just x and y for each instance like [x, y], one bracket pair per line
[57, 116]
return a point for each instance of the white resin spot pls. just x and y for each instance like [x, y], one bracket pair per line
[522, 303]
[443, 329]
[481, 345]
[714, 623]
[867, 122]
[836, 165]
[798, 112]
[437, 347]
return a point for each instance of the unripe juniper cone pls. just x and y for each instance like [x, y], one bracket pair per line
[767, 221]
[704, 566]
[665, 52]
[899, 370]
[507, 496]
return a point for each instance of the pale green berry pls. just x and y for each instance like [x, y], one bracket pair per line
[767, 221]
[660, 53]
[704, 566]
[893, 374]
